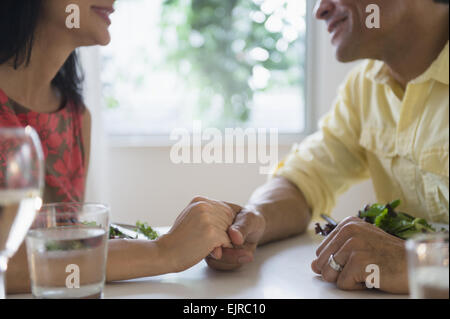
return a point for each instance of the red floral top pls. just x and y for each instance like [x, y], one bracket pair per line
[61, 137]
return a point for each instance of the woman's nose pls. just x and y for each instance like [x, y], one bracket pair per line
[323, 9]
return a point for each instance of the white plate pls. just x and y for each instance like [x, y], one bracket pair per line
[439, 226]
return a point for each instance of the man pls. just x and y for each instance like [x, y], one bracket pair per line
[389, 122]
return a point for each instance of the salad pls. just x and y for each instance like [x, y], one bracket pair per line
[388, 219]
[142, 228]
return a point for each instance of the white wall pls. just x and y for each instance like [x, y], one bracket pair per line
[96, 184]
[142, 184]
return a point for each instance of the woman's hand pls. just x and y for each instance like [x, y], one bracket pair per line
[198, 231]
[356, 244]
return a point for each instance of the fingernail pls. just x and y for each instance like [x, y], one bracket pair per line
[234, 228]
[237, 230]
[244, 260]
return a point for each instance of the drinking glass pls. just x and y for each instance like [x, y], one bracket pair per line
[67, 250]
[21, 186]
[428, 266]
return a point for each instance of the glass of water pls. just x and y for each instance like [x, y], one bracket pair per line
[428, 266]
[67, 251]
[21, 186]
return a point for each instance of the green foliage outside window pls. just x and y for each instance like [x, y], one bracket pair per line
[218, 45]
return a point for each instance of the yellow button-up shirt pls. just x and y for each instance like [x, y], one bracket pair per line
[399, 138]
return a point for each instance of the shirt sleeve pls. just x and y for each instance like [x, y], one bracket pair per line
[328, 162]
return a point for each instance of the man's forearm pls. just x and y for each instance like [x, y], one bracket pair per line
[283, 207]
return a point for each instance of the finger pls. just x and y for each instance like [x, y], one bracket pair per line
[333, 246]
[341, 257]
[351, 230]
[187, 210]
[223, 212]
[216, 253]
[218, 265]
[236, 208]
[233, 258]
[345, 222]
[238, 256]
[229, 212]
[236, 236]
[331, 236]
[246, 228]
[229, 244]
[223, 240]
[352, 276]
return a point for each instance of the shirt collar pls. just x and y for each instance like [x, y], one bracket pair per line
[378, 72]
[439, 70]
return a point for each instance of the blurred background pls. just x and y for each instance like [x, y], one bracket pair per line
[234, 63]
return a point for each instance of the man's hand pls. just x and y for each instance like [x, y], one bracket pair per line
[276, 210]
[199, 230]
[245, 234]
[356, 244]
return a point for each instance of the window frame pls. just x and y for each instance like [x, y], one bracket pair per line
[163, 140]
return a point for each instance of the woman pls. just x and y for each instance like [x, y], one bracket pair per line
[40, 86]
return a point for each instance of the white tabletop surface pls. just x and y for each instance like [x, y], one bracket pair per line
[281, 270]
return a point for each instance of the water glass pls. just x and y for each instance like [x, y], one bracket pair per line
[67, 251]
[428, 266]
[21, 185]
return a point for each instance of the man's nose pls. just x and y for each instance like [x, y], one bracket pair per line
[323, 9]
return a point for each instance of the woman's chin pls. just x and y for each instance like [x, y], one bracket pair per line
[103, 39]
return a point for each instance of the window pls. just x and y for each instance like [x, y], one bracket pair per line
[233, 63]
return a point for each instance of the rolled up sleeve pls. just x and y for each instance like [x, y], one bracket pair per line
[328, 162]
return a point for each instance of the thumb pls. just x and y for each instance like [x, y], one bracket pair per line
[235, 208]
[217, 253]
[242, 231]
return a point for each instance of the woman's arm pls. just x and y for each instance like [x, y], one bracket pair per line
[127, 259]
[198, 231]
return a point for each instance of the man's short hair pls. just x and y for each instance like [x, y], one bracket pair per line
[442, 1]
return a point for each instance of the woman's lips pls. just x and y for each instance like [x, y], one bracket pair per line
[104, 13]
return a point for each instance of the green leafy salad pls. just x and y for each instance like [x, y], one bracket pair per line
[85, 243]
[142, 228]
[388, 219]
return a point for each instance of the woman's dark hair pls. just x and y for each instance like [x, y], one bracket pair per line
[18, 23]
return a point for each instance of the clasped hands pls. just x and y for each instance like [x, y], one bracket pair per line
[225, 235]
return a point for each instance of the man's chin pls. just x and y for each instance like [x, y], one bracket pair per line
[344, 59]
[345, 54]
